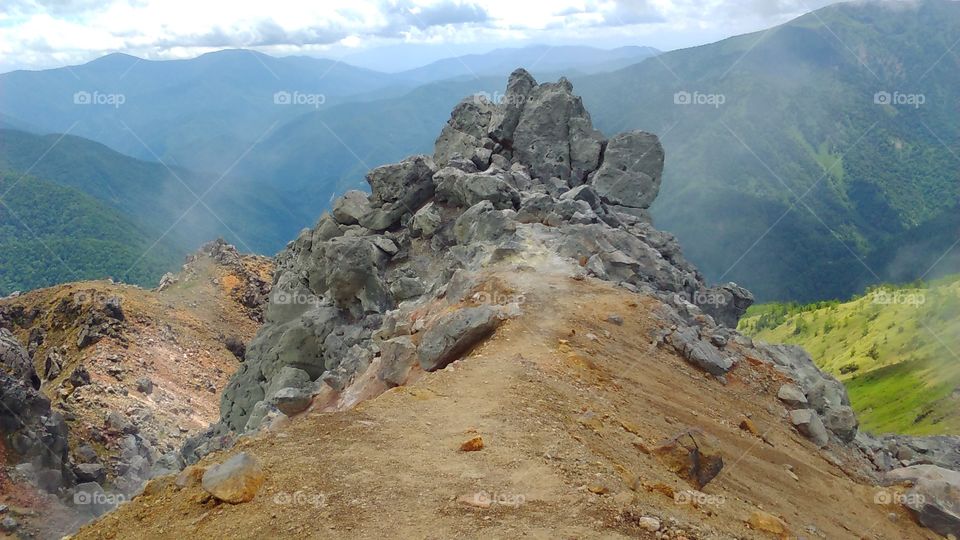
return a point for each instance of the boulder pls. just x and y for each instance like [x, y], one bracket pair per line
[766, 522]
[842, 422]
[291, 401]
[934, 498]
[726, 304]
[348, 210]
[482, 223]
[792, 396]
[700, 353]
[505, 120]
[350, 269]
[465, 190]
[393, 183]
[90, 472]
[468, 125]
[632, 170]
[425, 221]
[397, 357]
[809, 424]
[236, 480]
[15, 361]
[453, 335]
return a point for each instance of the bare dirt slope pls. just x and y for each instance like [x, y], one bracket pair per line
[568, 406]
[173, 339]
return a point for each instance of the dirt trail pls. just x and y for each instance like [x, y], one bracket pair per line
[565, 402]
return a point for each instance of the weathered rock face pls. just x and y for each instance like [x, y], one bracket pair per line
[383, 281]
[36, 435]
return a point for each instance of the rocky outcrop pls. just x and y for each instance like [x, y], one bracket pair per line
[35, 434]
[384, 280]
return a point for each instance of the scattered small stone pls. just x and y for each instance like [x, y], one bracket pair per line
[145, 385]
[473, 445]
[613, 318]
[476, 500]
[9, 524]
[763, 521]
[648, 523]
[747, 425]
[598, 489]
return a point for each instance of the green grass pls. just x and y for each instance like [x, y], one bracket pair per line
[897, 349]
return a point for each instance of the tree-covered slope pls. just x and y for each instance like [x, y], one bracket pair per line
[895, 348]
[790, 171]
[51, 233]
[159, 199]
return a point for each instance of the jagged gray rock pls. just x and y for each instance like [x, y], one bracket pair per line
[30, 428]
[451, 336]
[554, 134]
[348, 210]
[808, 423]
[632, 170]
[397, 356]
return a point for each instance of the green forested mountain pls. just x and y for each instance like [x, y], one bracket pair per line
[895, 348]
[51, 233]
[801, 142]
[161, 200]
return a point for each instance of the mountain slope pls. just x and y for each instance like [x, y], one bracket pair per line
[894, 349]
[161, 200]
[52, 233]
[799, 142]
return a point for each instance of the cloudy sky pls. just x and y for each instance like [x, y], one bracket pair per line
[49, 33]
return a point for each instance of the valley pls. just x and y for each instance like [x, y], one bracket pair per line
[894, 348]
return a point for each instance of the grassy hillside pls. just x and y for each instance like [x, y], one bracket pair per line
[51, 233]
[897, 349]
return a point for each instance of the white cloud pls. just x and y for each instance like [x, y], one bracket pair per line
[47, 33]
